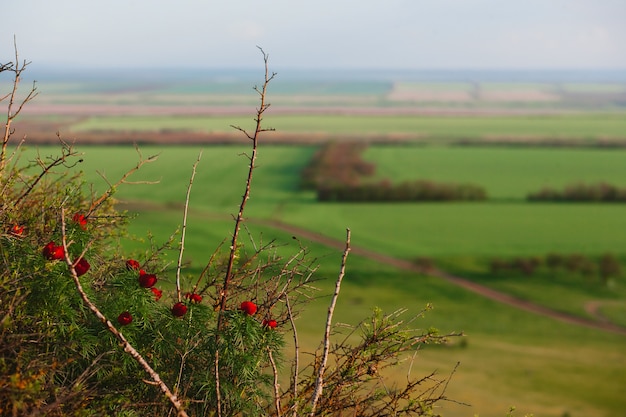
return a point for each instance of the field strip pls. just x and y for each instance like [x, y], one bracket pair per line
[459, 281]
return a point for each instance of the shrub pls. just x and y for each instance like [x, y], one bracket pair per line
[600, 192]
[336, 163]
[85, 331]
[605, 268]
[404, 192]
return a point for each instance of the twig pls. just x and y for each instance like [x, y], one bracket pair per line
[128, 348]
[246, 196]
[276, 385]
[66, 152]
[122, 180]
[319, 382]
[296, 360]
[184, 227]
[239, 219]
[17, 69]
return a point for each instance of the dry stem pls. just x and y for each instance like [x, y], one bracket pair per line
[11, 115]
[239, 219]
[122, 180]
[184, 227]
[319, 382]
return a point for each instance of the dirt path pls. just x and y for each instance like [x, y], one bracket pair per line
[461, 282]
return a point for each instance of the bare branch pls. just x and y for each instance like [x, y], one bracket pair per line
[296, 360]
[11, 114]
[319, 382]
[276, 385]
[67, 151]
[238, 221]
[122, 180]
[184, 227]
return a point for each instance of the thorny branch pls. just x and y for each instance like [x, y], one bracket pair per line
[254, 137]
[12, 113]
[184, 227]
[67, 151]
[319, 382]
[95, 204]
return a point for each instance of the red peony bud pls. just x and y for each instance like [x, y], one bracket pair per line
[179, 310]
[124, 318]
[53, 252]
[81, 266]
[157, 293]
[194, 298]
[248, 307]
[132, 264]
[81, 220]
[17, 230]
[147, 280]
[270, 323]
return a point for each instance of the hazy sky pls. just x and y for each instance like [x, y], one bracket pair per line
[437, 34]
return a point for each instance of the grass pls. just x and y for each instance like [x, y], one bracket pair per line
[506, 173]
[583, 125]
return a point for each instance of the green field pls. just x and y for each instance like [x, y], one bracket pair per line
[511, 357]
[505, 226]
[579, 126]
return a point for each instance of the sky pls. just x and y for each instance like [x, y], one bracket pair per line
[349, 34]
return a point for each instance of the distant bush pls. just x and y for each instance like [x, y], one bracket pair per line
[336, 163]
[420, 190]
[604, 268]
[600, 192]
[337, 171]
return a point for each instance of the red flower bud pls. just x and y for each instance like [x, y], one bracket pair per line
[53, 252]
[179, 310]
[270, 323]
[80, 219]
[124, 318]
[194, 298]
[157, 293]
[17, 230]
[132, 264]
[147, 280]
[81, 266]
[248, 307]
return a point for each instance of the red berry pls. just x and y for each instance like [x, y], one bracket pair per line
[194, 298]
[81, 266]
[147, 280]
[53, 252]
[132, 264]
[80, 219]
[270, 323]
[179, 310]
[248, 307]
[124, 318]
[157, 293]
